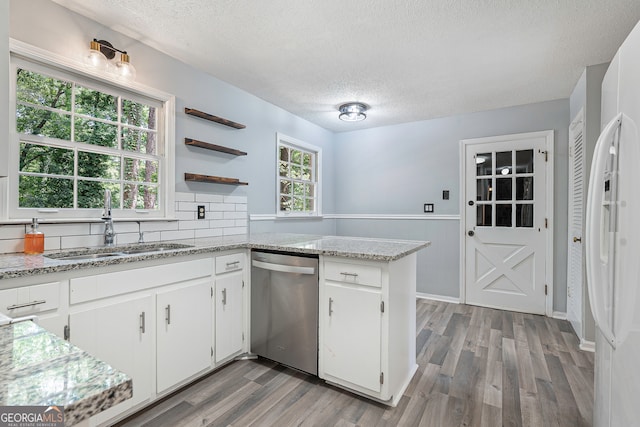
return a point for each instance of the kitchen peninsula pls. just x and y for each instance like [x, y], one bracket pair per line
[147, 298]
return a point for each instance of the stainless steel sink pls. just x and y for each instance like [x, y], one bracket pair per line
[101, 253]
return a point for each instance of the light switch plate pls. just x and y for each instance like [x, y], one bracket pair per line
[445, 194]
[428, 207]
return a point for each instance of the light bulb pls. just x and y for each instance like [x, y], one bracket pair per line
[94, 58]
[124, 69]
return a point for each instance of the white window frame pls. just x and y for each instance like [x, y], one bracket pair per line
[287, 141]
[45, 62]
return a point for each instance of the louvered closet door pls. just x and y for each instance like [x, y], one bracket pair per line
[576, 216]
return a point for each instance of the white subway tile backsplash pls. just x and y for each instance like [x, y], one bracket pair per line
[187, 206]
[11, 245]
[209, 232]
[175, 235]
[186, 215]
[214, 215]
[68, 242]
[225, 215]
[66, 229]
[235, 199]
[185, 197]
[222, 223]
[215, 198]
[190, 225]
[235, 215]
[12, 231]
[230, 231]
[223, 207]
[159, 226]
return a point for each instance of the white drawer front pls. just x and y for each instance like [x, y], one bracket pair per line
[32, 300]
[226, 263]
[353, 273]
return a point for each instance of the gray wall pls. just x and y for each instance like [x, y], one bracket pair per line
[396, 169]
[388, 170]
[4, 83]
[587, 95]
[47, 25]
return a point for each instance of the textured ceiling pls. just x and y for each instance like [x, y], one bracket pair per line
[408, 59]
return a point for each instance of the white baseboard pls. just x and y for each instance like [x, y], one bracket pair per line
[561, 315]
[587, 345]
[434, 297]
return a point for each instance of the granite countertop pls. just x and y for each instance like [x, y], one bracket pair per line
[39, 368]
[20, 265]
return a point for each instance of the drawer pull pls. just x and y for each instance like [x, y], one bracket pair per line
[232, 264]
[354, 275]
[26, 304]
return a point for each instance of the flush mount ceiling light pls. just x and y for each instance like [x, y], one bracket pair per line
[352, 112]
[99, 54]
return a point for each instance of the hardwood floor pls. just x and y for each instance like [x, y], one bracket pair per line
[477, 367]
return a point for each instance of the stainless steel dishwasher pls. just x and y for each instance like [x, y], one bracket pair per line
[284, 309]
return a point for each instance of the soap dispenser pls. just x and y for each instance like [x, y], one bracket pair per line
[34, 239]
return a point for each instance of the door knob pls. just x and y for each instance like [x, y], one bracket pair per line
[577, 239]
[470, 233]
[470, 202]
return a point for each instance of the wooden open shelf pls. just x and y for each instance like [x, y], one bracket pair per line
[212, 179]
[211, 117]
[214, 147]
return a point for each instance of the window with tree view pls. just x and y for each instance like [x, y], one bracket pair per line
[297, 178]
[75, 141]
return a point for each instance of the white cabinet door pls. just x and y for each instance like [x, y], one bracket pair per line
[184, 332]
[120, 334]
[229, 303]
[352, 335]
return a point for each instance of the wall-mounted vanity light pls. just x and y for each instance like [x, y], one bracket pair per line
[352, 112]
[99, 54]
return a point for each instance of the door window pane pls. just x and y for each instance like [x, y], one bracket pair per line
[483, 215]
[503, 188]
[503, 215]
[524, 161]
[484, 189]
[524, 215]
[483, 164]
[524, 188]
[503, 163]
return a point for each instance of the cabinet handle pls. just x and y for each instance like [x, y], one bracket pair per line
[224, 296]
[142, 323]
[354, 275]
[232, 264]
[26, 304]
[168, 314]
[330, 306]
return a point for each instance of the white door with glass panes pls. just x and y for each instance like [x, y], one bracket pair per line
[505, 220]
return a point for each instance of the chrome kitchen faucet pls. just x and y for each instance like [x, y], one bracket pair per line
[109, 232]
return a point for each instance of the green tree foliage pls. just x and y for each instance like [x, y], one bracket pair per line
[45, 107]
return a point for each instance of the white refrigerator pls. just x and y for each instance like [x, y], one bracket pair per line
[613, 242]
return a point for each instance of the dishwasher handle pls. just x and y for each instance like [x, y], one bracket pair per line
[283, 268]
